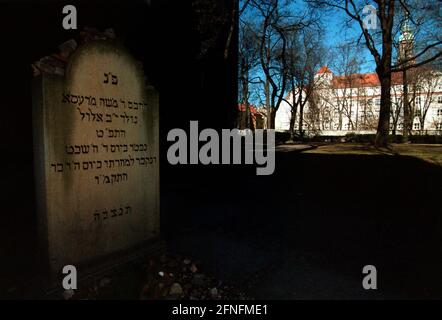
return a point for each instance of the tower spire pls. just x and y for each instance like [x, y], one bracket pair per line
[406, 41]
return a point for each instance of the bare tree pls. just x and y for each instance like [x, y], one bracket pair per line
[380, 42]
[305, 55]
[324, 107]
[275, 21]
[424, 88]
[396, 107]
[347, 65]
[248, 61]
[313, 115]
[368, 116]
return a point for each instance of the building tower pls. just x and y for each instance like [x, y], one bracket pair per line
[405, 55]
[324, 76]
[406, 43]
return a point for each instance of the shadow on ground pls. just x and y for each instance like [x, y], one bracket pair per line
[304, 232]
[307, 231]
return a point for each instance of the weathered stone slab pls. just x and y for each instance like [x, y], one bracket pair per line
[96, 156]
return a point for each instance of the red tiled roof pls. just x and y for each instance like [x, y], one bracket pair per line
[363, 80]
[324, 69]
[356, 80]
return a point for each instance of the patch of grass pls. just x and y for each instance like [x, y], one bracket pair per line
[431, 153]
[347, 148]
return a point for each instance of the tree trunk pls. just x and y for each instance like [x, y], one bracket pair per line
[271, 118]
[292, 128]
[301, 121]
[267, 94]
[406, 125]
[244, 115]
[383, 69]
[294, 109]
[383, 129]
[248, 116]
[292, 125]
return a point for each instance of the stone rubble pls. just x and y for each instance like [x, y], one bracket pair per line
[55, 63]
[165, 278]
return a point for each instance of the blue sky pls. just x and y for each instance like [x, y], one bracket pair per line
[336, 32]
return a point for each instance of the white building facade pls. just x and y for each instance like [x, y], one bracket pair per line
[343, 104]
[340, 104]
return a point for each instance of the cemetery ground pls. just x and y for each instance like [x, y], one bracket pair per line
[304, 232]
[307, 231]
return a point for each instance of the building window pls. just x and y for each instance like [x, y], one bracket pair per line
[439, 112]
[416, 126]
[377, 102]
[439, 126]
[418, 100]
[439, 99]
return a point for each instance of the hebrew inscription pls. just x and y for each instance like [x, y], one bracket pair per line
[124, 155]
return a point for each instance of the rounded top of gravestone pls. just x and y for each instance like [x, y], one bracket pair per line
[104, 65]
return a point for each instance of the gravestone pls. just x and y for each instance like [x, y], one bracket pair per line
[96, 156]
